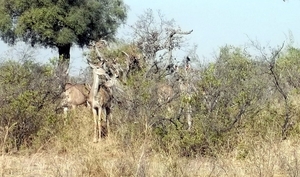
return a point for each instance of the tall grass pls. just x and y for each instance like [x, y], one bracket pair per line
[72, 153]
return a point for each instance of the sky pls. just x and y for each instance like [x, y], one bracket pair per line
[214, 23]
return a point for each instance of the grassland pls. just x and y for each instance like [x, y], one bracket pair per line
[72, 153]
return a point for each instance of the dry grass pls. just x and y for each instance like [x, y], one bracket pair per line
[107, 159]
[74, 154]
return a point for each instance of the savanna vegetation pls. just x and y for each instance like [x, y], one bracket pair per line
[244, 106]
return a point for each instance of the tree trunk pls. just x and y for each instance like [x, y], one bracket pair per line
[64, 55]
[63, 63]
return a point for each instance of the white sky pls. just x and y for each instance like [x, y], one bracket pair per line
[215, 23]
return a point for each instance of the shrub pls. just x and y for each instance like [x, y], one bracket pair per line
[29, 99]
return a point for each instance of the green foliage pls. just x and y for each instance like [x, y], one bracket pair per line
[289, 67]
[57, 23]
[28, 102]
[231, 88]
[233, 97]
[235, 105]
[186, 143]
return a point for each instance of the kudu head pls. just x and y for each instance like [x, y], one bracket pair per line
[105, 71]
[109, 77]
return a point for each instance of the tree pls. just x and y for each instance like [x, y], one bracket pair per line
[158, 40]
[60, 23]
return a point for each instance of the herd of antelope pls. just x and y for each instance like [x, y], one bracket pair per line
[99, 95]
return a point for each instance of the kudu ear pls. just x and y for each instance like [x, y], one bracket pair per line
[111, 82]
[68, 85]
[92, 65]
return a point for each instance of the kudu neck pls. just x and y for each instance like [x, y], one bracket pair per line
[95, 85]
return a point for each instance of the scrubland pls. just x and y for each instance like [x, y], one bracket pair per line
[245, 113]
[72, 153]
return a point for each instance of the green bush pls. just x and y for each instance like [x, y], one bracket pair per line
[29, 99]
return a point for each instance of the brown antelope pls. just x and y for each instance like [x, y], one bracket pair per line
[100, 98]
[105, 75]
[181, 86]
[74, 95]
[164, 93]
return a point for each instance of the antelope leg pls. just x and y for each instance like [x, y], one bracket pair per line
[95, 125]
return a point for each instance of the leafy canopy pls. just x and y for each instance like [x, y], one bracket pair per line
[54, 23]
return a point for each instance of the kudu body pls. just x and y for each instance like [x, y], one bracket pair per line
[74, 95]
[165, 93]
[180, 86]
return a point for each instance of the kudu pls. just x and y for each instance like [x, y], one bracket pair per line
[101, 94]
[100, 98]
[180, 87]
[74, 95]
